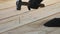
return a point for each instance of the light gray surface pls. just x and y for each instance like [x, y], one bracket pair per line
[36, 28]
[28, 17]
[32, 16]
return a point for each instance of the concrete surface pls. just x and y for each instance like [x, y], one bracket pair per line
[8, 9]
[36, 27]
